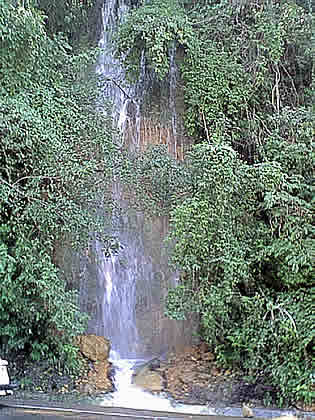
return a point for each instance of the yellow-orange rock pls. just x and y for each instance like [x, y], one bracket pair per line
[149, 380]
[94, 347]
[301, 406]
[99, 376]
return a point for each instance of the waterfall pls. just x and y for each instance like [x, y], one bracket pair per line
[127, 291]
[109, 67]
[172, 95]
[124, 293]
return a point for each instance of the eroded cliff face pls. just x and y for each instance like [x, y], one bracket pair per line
[158, 120]
[124, 293]
[147, 111]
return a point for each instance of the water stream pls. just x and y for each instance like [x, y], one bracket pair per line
[129, 396]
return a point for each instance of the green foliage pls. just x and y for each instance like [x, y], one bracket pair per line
[55, 164]
[237, 61]
[51, 148]
[289, 210]
[241, 204]
[70, 17]
[153, 28]
[243, 241]
[151, 179]
[38, 314]
[282, 345]
[22, 30]
[253, 60]
[217, 90]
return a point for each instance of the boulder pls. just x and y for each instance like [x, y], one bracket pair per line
[150, 365]
[99, 377]
[304, 407]
[149, 380]
[93, 347]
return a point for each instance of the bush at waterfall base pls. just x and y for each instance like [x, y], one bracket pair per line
[53, 146]
[241, 202]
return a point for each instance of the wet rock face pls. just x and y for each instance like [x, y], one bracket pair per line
[149, 380]
[99, 376]
[146, 378]
[93, 347]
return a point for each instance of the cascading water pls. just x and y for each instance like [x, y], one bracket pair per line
[110, 68]
[172, 95]
[126, 291]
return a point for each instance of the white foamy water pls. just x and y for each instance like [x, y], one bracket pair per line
[128, 395]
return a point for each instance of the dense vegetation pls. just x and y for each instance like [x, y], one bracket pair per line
[241, 203]
[53, 146]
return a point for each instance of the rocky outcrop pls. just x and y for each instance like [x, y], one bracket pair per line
[93, 347]
[149, 381]
[305, 407]
[189, 373]
[146, 378]
[98, 378]
[194, 377]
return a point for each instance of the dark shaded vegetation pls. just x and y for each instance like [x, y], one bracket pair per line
[53, 170]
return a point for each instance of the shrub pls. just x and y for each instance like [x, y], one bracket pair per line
[55, 164]
[241, 275]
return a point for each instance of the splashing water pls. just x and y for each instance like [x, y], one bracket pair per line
[128, 395]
